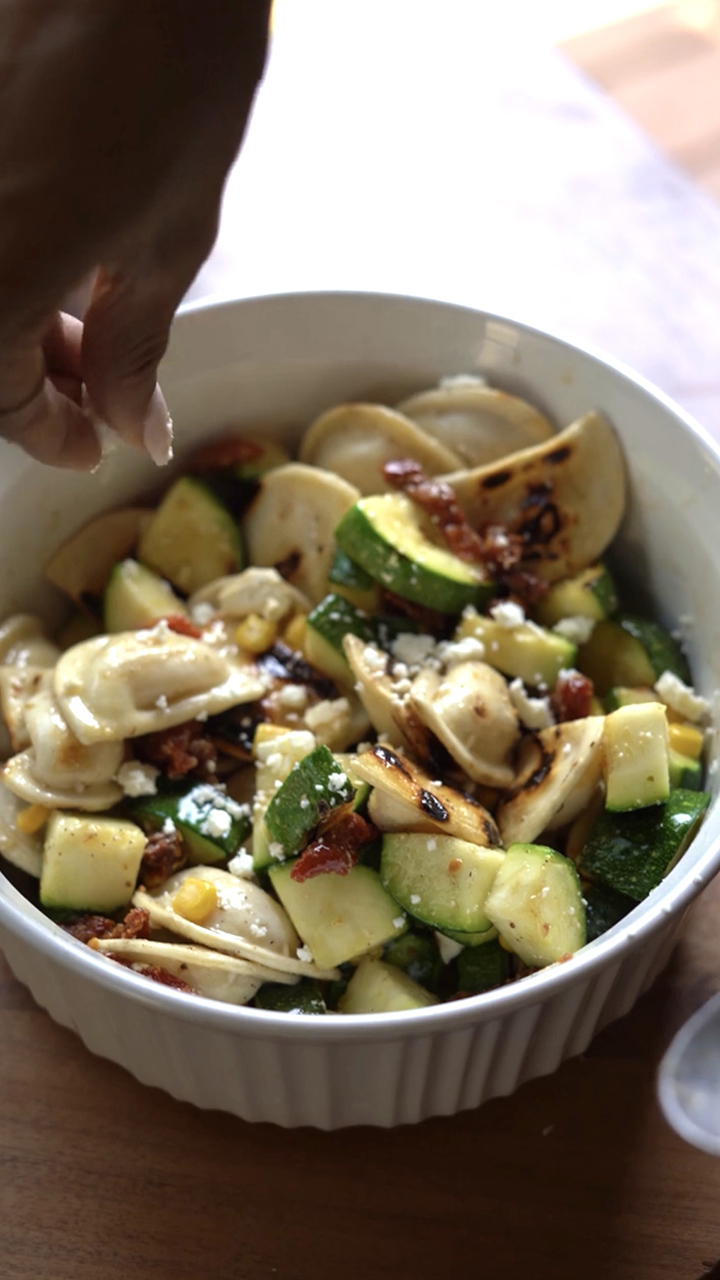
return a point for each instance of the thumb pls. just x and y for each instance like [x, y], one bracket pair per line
[126, 331]
[34, 413]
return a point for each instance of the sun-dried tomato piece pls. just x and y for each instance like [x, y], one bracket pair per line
[572, 696]
[231, 452]
[181, 625]
[438, 501]
[162, 856]
[136, 924]
[154, 972]
[181, 750]
[336, 850]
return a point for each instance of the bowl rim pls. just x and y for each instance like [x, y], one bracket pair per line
[29, 925]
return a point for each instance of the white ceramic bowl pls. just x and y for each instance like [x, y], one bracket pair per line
[277, 362]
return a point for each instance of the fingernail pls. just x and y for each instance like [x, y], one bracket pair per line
[157, 430]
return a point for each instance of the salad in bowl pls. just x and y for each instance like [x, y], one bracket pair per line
[361, 731]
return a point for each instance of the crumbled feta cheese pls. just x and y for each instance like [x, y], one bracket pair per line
[168, 827]
[534, 713]
[201, 716]
[190, 805]
[338, 781]
[217, 824]
[508, 614]
[431, 844]
[447, 947]
[161, 702]
[276, 850]
[202, 613]
[294, 697]
[137, 779]
[452, 652]
[412, 649]
[576, 629]
[258, 930]
[241, 865]
[305, 954]
[375, 659]
[415, 899]
[680, 697]
[398, 922]
[327, 715]
[304, 802]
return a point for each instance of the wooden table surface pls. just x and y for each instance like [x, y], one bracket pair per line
[396, 149]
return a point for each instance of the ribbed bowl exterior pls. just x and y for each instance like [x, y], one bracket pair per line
[400, 1080]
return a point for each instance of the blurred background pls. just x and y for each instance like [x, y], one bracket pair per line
[558, 161]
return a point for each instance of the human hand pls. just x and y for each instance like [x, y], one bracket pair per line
[118, 124]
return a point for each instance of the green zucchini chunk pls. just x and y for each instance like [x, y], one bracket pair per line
[211, 825]
[632, 852]
[392, 540]
[685, 772]
[622, 696]
[192, 538]
[536, 904]
[663, 650]
[482, 968]
[635, 740]
[90, 862]
[376, 987]
[315, 786]
[531, 652]
[591, 594]
[352, 582]
[440, 880]
[305, 997]
[136, 597]
[339, 917]
[604, 907]
[417, 954]
[630, 652]
[326, 625]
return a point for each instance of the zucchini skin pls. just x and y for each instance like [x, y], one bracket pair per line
[482, 968]
[417, 954]
[663, 651]
[632, 852]
[358, 538]
[150, 812]
[306, 998]
[304, 798]
[604, 907]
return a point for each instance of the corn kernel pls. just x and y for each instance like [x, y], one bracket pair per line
[686, 739]
[32, 819]
[195, 899]
[255, 634]
[294, 633]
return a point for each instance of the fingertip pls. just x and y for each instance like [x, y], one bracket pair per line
[158, 430]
